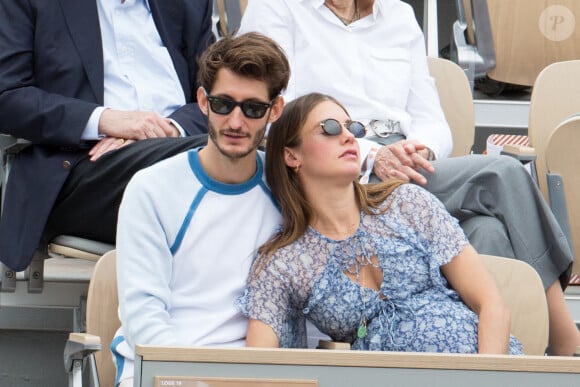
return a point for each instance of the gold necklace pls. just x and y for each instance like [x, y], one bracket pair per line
[345, 21]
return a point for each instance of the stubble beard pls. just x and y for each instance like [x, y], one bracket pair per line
[235, 155]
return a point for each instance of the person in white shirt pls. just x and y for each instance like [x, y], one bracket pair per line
[370, 55]
[190, 226]
[100, 89]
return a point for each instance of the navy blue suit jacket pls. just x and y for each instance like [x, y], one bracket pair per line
[51, 79]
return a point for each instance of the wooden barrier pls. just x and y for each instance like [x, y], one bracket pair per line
[212, 367]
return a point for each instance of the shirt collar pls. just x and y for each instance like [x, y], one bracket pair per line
[377, 6]
[146, 2]
[315, 3]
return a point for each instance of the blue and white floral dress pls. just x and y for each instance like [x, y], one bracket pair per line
[415, 309]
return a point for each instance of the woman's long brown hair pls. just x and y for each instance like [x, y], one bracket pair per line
[285, 184]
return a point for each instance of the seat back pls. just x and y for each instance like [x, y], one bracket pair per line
[523, 292]
[102, 314]
[456, 101]
[512, 41]
[555, 97]
[563, 159]
[528, 35]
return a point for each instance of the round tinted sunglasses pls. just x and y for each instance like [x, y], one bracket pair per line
[332, 127]
[225, 105]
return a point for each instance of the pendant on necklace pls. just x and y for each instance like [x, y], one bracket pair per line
[361, 332]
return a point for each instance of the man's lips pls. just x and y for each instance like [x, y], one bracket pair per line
[235, 135]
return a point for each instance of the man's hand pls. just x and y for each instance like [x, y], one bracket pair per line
[122, 128]
[402, 160]
[135, 125]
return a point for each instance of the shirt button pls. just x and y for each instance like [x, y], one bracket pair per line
[66, 165]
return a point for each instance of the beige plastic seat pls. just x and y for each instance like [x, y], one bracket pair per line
[529, 35]
[456, 101]
[513, 41]
[523, 292]
[555, 97]
[562, 162]
[102, 323]
[554, 100]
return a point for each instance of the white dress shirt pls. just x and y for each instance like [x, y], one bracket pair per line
[375, 66]
[139, 72]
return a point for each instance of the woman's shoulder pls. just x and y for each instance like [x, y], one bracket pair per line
[409, 199]
[409, 192]
[304, 254]
[290, 252]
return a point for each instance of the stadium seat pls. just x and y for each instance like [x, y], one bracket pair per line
[512, 41]
[562, 161]
[457, 102]
[92, 348]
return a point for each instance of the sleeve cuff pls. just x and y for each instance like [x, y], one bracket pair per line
[176, 124]
[91, 131]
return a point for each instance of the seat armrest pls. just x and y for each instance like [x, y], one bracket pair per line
[12, 145]
[76, 247]
[524, 154]
[80, 346]
[558, 204]
[17, 146]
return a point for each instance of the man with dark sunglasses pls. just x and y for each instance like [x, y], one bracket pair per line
[251, 109]
[190, 225]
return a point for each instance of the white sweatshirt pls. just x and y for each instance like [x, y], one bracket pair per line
[185, 243]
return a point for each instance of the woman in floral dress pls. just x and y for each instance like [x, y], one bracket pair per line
[383, 267]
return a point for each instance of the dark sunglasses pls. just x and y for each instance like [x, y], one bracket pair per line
[332, 127]
[225, 105]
